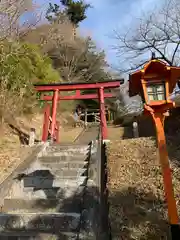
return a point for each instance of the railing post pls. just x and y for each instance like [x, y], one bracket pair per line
[85, 118]
[32, 137]
[54, 110]
[95, 120]
[102, 114]
[46, 123]
[57, 131]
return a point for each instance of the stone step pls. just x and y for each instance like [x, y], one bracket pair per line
[45, 182]
[68, 165]
[55, 205]
[79, 148]
[60, 159]
[65, 145]
[60, 182]
[69, 172]
[39, 222]
[52, 174]
[63, 192]
[30, 235]
[66, 153]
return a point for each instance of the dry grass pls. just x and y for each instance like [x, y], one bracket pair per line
[137, 206]
[11, 152]
[68, 134]
[116, 132]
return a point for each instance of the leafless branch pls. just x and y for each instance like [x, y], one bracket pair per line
[160, 33]
[11, 12]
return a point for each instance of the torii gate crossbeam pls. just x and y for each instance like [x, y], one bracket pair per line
[57, 88]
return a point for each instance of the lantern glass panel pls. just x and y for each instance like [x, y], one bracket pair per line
[156, 92]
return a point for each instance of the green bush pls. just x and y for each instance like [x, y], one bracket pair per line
[21, 66]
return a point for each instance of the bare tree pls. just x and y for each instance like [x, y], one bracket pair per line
[10, 13]
[159, 33]
[77, 63]
[71, 56]
[126, 106]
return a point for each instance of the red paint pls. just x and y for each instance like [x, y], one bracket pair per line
[77, 97]
[102, 114]
[46, 123]
[50, 124]
[78, 93]
[78, 86]
[57, 131]
[54, 109]
[158, 118]
[168, 188]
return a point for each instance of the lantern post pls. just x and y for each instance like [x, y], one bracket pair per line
[154, 83]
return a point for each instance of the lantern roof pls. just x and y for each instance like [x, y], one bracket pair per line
[153, 69]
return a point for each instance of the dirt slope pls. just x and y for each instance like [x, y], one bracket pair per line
[137, 206]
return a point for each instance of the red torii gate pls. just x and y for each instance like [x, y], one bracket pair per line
[77, 87]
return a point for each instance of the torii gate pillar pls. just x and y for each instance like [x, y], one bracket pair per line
[102, 114]
[54, 110]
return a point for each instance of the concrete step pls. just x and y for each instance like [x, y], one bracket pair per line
[52, 174]
[70, 148]
[63, 158]
[65, 145]
[39, 222]
[66, 153]
[42, 182]
[68, 165]
[69, 172]
[19, 191]
[35, 174]
[53, 204]
[45, 182]
[31, 235]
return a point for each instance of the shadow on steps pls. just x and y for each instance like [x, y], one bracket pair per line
[129, 210]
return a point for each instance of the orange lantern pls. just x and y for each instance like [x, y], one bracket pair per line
[154, 83]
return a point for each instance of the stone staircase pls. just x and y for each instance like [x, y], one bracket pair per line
[46, 200]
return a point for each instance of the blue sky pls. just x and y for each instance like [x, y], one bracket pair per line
[110, 15]
[107, 16]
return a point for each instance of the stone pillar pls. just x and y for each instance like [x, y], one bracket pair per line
[32, 137]
[135, 130]
[85, 118]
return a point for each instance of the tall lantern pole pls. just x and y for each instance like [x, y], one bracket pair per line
[154, 83]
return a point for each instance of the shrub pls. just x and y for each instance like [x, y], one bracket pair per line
[21, 65]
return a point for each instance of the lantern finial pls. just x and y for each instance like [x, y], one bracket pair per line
[153, 56]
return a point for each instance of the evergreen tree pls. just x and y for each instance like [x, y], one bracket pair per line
[75, 10]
